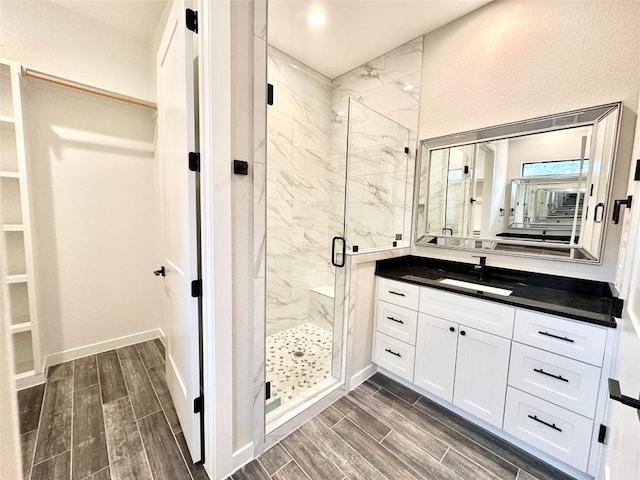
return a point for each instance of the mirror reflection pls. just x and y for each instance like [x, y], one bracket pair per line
[536, 187]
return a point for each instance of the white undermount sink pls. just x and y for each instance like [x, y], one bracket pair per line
[474, 286]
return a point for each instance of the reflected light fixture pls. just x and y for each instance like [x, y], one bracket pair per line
[408, 87]
[316, 17]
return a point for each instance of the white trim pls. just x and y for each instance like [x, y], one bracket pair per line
[242, 456]
[28, 379]
[214, 50]
[362, 376]
[292, 420]
[99, 347]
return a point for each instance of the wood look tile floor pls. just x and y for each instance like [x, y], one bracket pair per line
[105, 417]
[382, 430]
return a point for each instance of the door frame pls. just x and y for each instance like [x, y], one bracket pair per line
[214, 52]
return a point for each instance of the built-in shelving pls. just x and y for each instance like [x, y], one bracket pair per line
[15, 223]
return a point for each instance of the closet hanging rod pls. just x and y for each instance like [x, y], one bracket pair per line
[29, 72]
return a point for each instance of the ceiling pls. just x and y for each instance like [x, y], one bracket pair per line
[138, 18]
[355, 31]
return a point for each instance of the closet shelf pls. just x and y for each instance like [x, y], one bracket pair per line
[13, 227]
[7, 119]
[21, 327]
[7, 174]
[26, 374]
[21, 278]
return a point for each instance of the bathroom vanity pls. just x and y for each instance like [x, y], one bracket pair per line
[525, 355]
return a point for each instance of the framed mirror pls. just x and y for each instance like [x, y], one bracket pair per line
[536, 187]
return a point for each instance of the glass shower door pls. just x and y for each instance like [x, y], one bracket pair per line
[305, 211]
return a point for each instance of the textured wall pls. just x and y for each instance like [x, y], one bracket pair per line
[515, 60]
[46, 36]
[94, 201]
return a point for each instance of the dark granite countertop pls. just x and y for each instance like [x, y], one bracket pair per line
[585, 300]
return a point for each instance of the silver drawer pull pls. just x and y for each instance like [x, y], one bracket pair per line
[557, 377]
[395, 319]
[564, 339]
[392, 352]
[397, 293]
[550, 425]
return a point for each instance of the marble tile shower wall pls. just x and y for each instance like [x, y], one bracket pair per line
[306, 158]
[380, 178]
[299, 179]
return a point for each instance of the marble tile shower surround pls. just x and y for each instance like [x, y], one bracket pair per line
[377, 179]
[383, 85]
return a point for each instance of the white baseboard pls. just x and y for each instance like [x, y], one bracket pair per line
[242, 456]
[27, 381]
[362, 375]
[100, 347]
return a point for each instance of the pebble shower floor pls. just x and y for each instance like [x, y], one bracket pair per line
[297, 359]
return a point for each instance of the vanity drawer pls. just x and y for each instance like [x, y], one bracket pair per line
[554, 430]
[397, 322]
[396, 356]
[565, 382]
[576, 340]
[399, 293]
[487, 316]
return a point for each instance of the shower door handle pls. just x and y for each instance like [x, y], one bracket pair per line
[333, 252]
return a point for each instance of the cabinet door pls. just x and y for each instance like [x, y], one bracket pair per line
[435, 363]
[481, 374]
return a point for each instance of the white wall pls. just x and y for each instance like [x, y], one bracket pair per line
[92, 174]
[510, 61]
[46, 36]
[95, 188]
[242, 220]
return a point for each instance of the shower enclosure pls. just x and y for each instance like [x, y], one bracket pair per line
[336, 183]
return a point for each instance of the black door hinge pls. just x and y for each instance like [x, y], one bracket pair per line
[267, 390]
[196, 288]
[466, 170]
[636, 177]
[194, 161]
[192, 20]
[602, 433]
[406, 149]
[198, 404]
[269, 94]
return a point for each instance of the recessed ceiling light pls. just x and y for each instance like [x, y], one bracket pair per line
[408, 87]
[316, 17]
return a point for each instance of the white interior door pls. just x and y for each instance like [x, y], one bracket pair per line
[622, 454]
[176, 138]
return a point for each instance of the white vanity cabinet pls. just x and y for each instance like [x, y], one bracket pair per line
[461, 347]
[462, 365]
[396, 319]
[537, 378]
[437, 346]
[480, 383]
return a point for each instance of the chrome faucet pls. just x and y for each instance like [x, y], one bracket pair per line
[480, 267]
